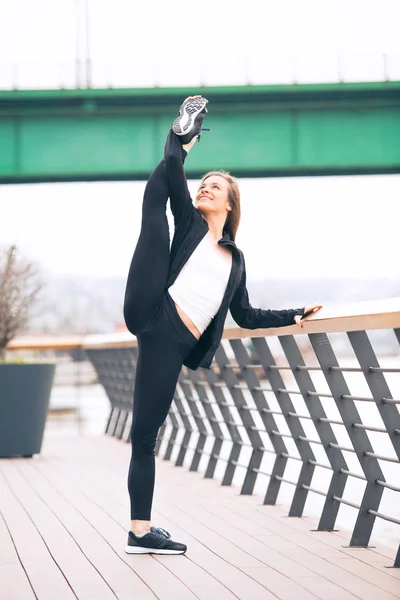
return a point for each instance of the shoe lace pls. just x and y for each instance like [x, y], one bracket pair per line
[201, 130]
[163, 532]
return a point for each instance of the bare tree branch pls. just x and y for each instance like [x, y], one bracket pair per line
[20, 285]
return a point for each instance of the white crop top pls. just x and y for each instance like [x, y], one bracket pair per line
[200, 286]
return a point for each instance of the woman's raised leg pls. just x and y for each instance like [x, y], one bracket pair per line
[150, 262]
[149, 268]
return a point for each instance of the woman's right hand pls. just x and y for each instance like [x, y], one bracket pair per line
[308, 311]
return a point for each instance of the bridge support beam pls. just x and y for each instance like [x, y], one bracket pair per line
[257, 131]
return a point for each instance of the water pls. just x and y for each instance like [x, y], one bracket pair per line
[74, 410]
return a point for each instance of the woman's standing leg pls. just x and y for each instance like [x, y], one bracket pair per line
[161, 353]
[162, 349]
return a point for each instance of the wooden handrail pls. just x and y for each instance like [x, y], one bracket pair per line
[359, 316]
[47, 342]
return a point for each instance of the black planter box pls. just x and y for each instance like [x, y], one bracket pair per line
[24, 401]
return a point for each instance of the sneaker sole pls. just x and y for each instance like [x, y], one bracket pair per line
[184, 121]
[141, 550]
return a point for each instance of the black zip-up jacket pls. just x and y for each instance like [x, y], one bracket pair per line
[190, 229]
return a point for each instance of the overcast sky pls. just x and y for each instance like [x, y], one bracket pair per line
[290, 227]
[143, 42]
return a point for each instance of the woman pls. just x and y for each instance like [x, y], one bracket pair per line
[176, 302]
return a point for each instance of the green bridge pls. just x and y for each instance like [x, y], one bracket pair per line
[118, 134]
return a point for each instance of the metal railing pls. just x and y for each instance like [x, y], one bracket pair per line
[266, 406]
[276, 399]
[127, 71]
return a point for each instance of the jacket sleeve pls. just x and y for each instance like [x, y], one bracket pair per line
[257, 318]
[174, 157]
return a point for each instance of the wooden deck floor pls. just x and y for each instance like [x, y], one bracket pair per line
[63, 522]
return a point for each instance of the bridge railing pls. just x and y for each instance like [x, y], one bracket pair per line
[315, 398]
[308, 409]
[125, 71]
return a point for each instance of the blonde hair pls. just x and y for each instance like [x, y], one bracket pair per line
[233, 218]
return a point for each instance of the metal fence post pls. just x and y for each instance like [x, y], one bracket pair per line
[160, 438]
[187, 426]
[222, 360]
[173, 434]
[361, 444]
[257, 392]
[252, 432]
[377, 384]
[193, 377]
[302, 443]
[324, 430]
[216, 384]
[116, 372]
[397, 559]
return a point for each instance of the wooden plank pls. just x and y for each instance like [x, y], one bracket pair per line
[80, 573]
[288, 589]
[261, 516]
[43, 572]
[14, 584]
[304, 540]
[202, 583]
[300, 529]
[8, 554]
[114, 501]
[217, 542]
[329, 575]
[185, 572]
[216, 496]
[367, 573]
[274, 542]
[231, 552]
[273, 539]
[121, 579]
[307, 541]
[353, 584]
[232, 544]
[325, 590]
[302, 537]
[291, 532]
[229, 536]
[373, 559]
[203, 559]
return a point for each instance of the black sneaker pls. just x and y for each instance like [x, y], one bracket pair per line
[190, 119]
[157, 541]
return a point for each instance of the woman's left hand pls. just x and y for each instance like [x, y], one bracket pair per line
[311, 308]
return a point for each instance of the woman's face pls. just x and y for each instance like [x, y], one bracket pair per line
[212, 196]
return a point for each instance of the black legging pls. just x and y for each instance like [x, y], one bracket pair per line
[164, 341]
